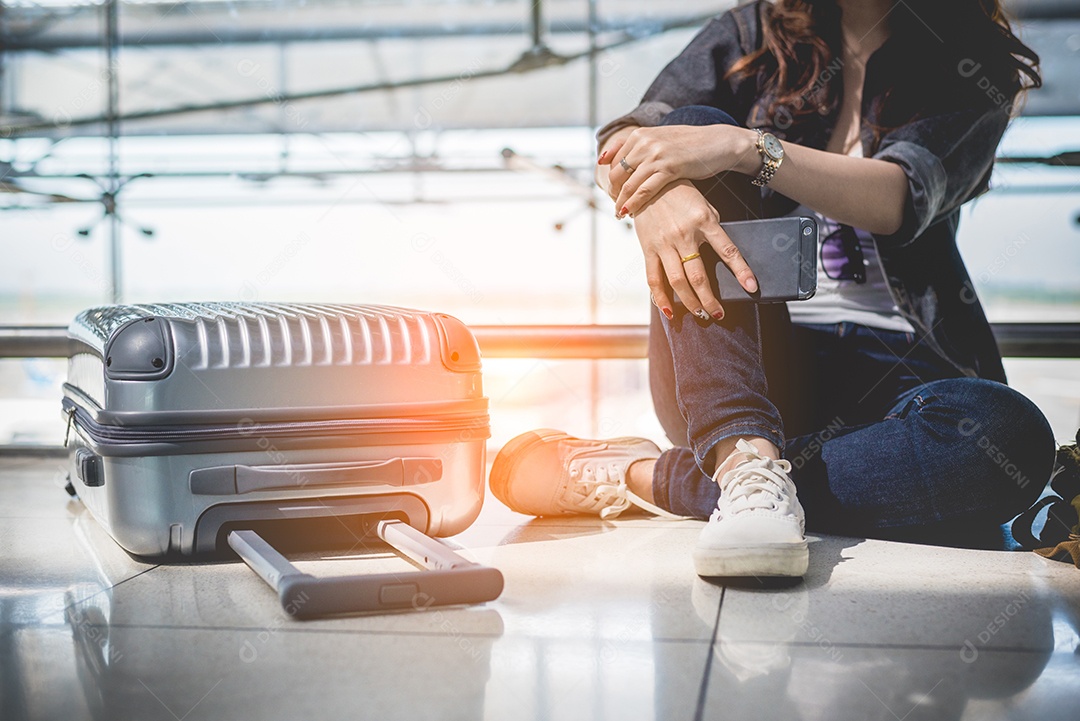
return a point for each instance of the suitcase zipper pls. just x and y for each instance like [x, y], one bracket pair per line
[98, 432]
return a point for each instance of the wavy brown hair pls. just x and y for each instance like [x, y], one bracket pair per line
[944, 54]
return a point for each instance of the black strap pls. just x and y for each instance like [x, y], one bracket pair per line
[1053, 532]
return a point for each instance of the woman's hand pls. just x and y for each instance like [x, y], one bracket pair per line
[673, 226]
[657, 157]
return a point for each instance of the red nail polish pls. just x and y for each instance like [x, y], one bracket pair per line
[718, 315]
[667, 312]
[602, 158]
[624, 211]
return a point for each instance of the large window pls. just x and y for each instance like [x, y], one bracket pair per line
[296, 150]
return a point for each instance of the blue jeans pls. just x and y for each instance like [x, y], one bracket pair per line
[886, 438]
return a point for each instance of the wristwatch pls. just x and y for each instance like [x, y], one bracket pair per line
[772, 154]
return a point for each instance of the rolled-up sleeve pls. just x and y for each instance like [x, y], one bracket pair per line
[947, 160]
[695, 77]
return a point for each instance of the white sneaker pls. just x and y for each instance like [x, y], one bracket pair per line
[758, 525]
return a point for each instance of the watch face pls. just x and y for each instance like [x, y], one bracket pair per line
[773, 147]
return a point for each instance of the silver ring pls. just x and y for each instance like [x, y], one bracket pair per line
[625, 165]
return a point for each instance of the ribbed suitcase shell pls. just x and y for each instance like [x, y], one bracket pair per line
[188, 419]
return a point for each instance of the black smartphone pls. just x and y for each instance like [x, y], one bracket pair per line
[782, 252]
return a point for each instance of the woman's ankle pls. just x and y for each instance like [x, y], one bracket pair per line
[639, 479]
[727, 456]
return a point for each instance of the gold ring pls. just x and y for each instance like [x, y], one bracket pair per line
[688, 258]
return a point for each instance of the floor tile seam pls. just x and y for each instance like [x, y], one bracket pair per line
[104, 589]
[703, 686]
[905, 646]
[32, 625]
[23, 517]
[17, 626]
[277, 628]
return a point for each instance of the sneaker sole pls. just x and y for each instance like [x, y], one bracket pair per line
[506, 460]
[788, 559]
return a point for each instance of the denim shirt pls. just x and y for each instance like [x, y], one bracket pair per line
[947, 157]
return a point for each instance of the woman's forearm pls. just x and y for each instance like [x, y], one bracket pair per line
[861, 192]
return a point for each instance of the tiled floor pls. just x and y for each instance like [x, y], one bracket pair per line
[597, 621]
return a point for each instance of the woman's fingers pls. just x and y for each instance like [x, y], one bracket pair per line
[617, 174]
[626, 173]
[658, 287]
[611, 152]
[690, 281]
[624, 179]
[639, 190]
[731, 257]
[671, 230]
[697, 274]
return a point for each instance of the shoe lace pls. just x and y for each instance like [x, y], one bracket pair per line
[755, 484]
[602, 487]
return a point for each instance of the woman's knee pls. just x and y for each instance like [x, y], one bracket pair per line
[1002, 433]
[698, 115]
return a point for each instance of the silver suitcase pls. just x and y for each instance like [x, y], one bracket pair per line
[194, 427]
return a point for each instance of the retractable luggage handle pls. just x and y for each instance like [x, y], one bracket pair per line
[450, 579]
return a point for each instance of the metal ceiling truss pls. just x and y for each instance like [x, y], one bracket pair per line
[537, 57]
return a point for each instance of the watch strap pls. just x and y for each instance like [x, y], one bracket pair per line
[768, 164]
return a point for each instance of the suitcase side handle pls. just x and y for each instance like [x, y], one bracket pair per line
[234, 480]
[450, 579]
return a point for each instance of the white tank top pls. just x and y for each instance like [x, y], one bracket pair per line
[870, 303]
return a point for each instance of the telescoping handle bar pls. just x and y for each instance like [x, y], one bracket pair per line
[449, 581]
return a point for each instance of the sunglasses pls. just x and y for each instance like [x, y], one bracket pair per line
[842, 256]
